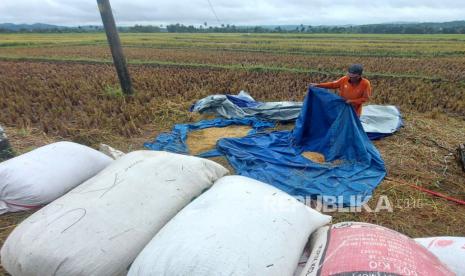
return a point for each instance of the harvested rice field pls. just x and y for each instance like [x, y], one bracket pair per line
[63, 87]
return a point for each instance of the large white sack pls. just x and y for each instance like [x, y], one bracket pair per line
[44, 174]
[450, 250]
[239, 227]
[99, 227]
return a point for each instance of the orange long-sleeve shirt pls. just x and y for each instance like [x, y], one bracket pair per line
[355, 94]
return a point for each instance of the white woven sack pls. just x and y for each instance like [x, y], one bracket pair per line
[239, 227]
[44, 174]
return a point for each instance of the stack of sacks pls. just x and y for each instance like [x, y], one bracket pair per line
[239, 227]
[40, 176]
[99, 227]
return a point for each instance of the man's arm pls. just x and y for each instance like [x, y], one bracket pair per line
[329, 85]
[366, 95]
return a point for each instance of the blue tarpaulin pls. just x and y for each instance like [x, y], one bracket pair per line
[378, 121]
[175, 141]
[242, 100]
[328, 125]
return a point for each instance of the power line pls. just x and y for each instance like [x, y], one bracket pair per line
[213, 11]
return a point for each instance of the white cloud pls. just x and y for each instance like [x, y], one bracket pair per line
[239, 12]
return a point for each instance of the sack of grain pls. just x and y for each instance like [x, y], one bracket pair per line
[355, 248]
[99, 227]
[44, 174]
[450, 250]
[239, 227]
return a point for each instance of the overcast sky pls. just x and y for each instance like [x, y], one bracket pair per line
[238, 12]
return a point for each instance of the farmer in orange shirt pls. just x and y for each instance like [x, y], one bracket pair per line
[353, 88]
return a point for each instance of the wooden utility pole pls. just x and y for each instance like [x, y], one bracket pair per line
[115, 46]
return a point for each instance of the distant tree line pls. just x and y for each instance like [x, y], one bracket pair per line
[141, 29]
[420, 28]
[79, 29]
[455, 27]
[389, 29]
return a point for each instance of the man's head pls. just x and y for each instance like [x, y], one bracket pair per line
[355, 72]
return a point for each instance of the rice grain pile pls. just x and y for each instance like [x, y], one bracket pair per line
[314, 156]
[205, 139]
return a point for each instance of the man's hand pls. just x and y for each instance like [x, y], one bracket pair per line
[349, 101]
[313, 84]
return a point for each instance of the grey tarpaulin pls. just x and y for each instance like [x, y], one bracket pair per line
[243, 105]
[5, 150]
[380, 121]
